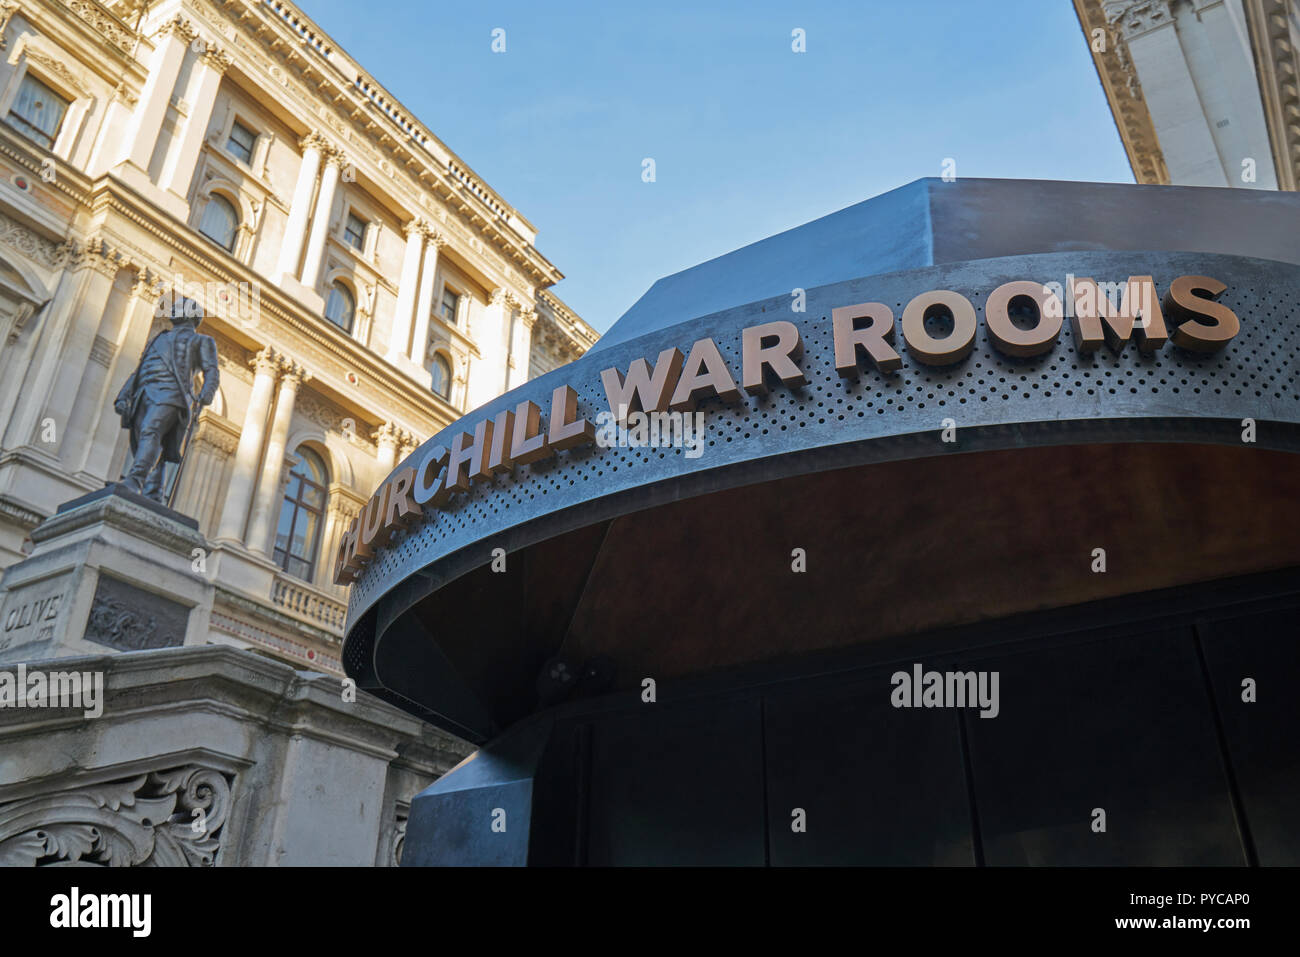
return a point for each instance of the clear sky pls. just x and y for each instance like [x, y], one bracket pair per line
[748, 137]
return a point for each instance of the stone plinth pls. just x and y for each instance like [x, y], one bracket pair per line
[111, 570]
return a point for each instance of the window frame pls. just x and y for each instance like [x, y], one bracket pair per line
[283, 556]
[338, 283]
[236, 122]
[234, 233]
[448, 290]
[442, 357]
[359, 247]
[23, 130]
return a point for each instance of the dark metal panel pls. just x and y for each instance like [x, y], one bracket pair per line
[1123, 725]
[678, 785]
[879, 785]
[480, 812]
[1263, 736]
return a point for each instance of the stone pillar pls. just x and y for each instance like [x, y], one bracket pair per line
[266, 503]
[178, 171]
[342, 507]
[131, 341]
[488, 374]
[424, 303]
[387, 437]
[70, 322]
[320, 223]
[211, 448]
[239, 491]
[141, 134]
[295, 230]
[521, 347]
[406, 288]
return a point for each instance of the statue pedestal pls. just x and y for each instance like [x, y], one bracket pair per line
[111, 570]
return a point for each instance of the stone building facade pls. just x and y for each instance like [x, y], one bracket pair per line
[364, 286]
[1204, 92]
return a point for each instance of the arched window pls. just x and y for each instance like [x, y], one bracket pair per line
[340, 307]
[220, 222]
[302, 514]
[441, 375]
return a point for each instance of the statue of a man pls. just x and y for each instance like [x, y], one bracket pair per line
[158, 401]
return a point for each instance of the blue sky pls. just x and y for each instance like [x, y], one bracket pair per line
[748, 137]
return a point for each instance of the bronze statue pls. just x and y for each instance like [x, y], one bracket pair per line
[158, 403]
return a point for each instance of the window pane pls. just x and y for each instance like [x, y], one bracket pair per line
[284, 525]
[339, 308]
[441, 376]
[241, 142]
[219, 222]
[355, 232]
[449, 303]
[304, 534]
[37, 111]
[313, 496]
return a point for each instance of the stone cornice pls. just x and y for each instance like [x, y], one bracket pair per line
[413, 153]
[1119, 79]
[113, 30]
[243, 683]
[1277, 66]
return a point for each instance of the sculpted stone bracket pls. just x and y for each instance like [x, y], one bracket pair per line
[172, 817]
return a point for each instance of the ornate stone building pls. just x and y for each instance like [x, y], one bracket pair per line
[364, 286]
[1204, 92]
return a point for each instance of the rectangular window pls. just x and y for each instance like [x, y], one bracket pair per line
[354, 232]
[450, 305]
[37, 112]
[240, 144]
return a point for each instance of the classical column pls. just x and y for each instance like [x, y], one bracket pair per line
[387, 438]
[211, 447]
[70, 322]
[267, 501]
[521, 347]
[424, 302]
[130, 344]
[295, 230]
[178, 171]
[141, 134]
[343, 506]
[406, 287]
[320, 222]
[239, 491]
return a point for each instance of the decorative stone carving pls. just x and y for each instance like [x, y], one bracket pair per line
[268, 360]
[315, 140]
[217, 59]
[217, 439]
[128, 618]
[181, 27]
[23, 240]
[56, 66]
[7, 10]
[167, 818]
[106, 26]
[1120, 80]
